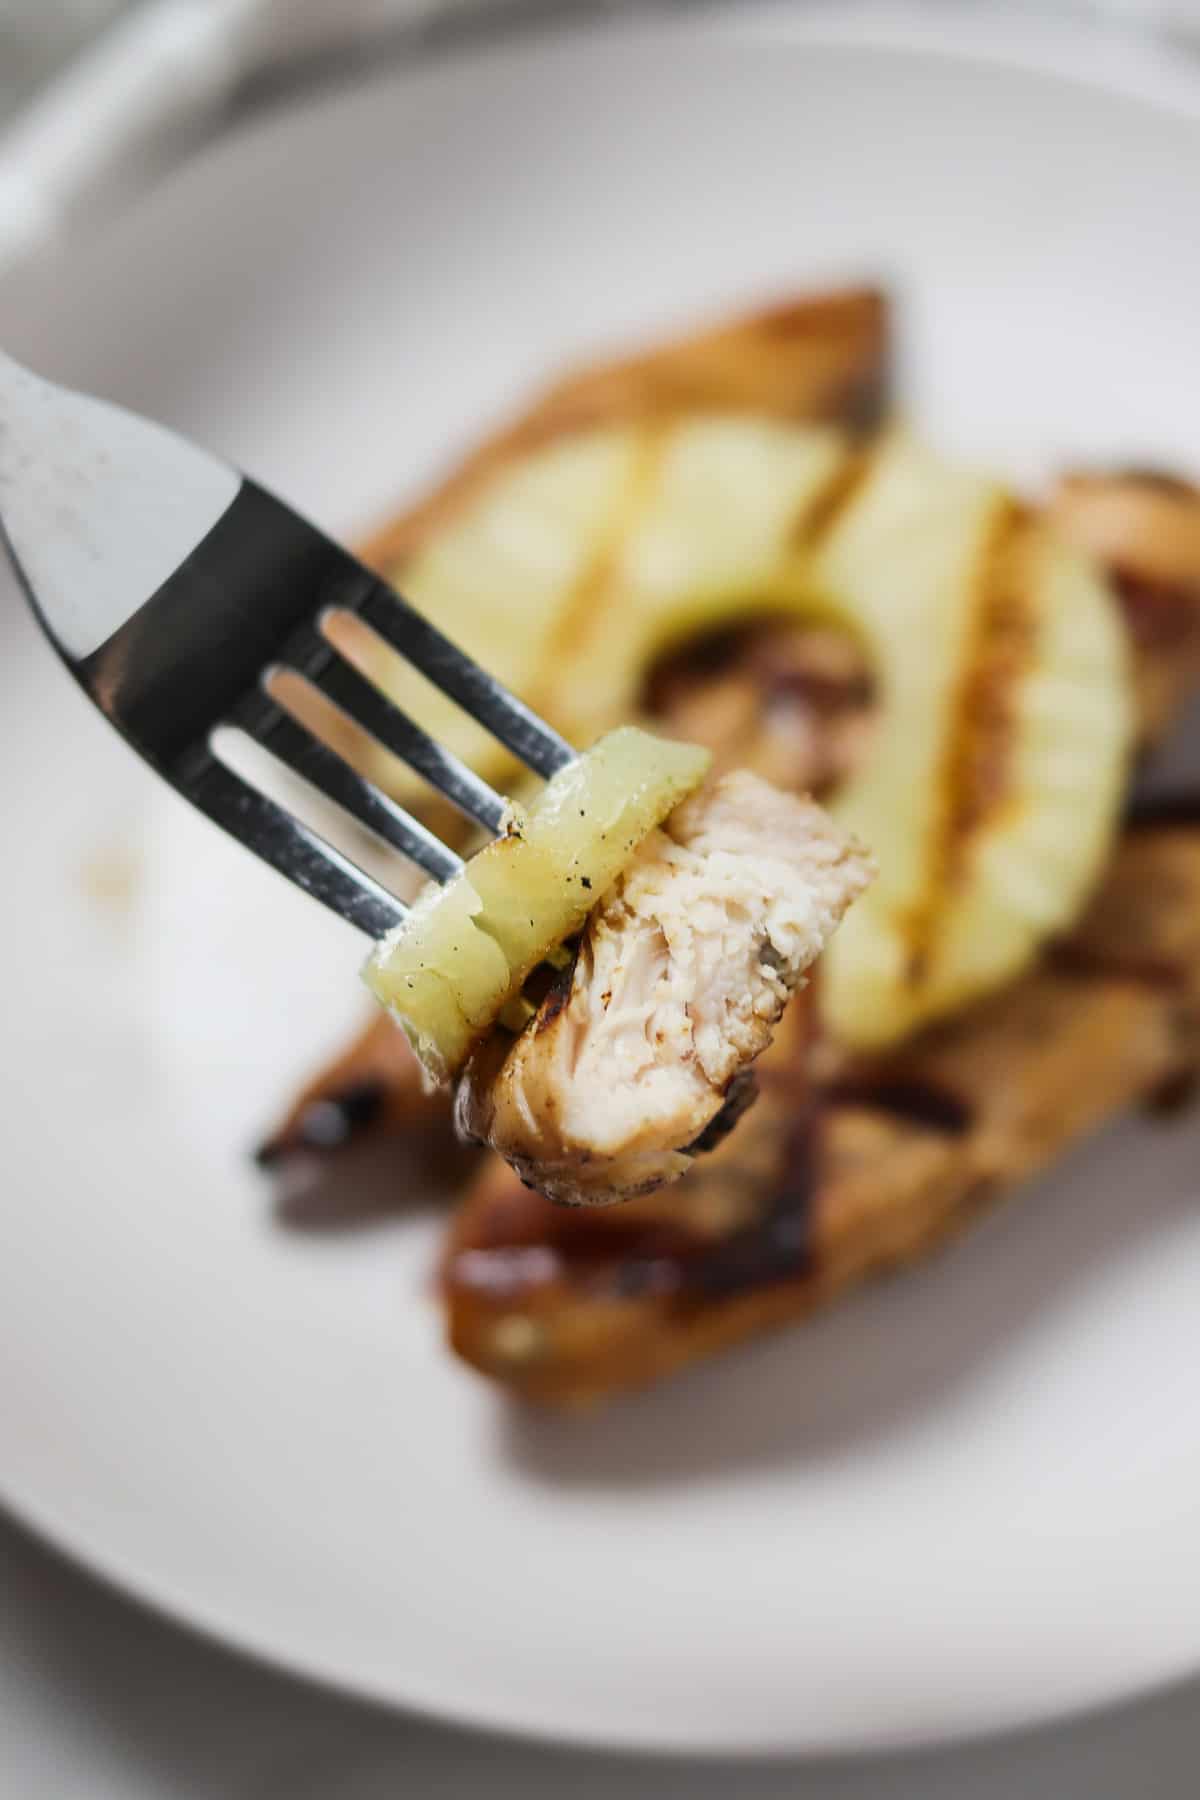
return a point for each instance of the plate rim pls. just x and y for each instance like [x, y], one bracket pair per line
[1105, 62]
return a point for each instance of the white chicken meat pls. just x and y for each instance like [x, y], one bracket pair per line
[640, 1050]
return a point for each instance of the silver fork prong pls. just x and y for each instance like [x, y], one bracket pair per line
[288, 844]
[459, 676]
[315, 657]
[291, 743]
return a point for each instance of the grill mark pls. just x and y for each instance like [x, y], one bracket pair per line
[1090, 964]
[585, 602]
[974, 777]
[1179, 1093]
[906, 1097]
[1154, 812]
[820, 515]
[557, 993]
[1159, 481]
[740, 1096]
[1160, 615]
[630, 1259]
[779, 1246]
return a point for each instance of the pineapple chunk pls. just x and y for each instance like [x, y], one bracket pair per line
[466, 949]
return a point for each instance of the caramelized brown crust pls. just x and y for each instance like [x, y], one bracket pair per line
[812, 1194]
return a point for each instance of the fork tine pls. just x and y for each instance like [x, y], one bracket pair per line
[168, 593]
[287, 844]
[315, 657]
[459, 676]
[291, 743]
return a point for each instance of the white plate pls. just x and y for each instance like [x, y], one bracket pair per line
[966, 1499]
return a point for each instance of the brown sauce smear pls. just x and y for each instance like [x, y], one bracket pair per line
[629, 1259]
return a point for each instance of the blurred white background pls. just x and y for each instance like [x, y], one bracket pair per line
[37, 36]
[167, 71]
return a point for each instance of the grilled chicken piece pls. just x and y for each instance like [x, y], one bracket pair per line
[682, 973]
[825, 1184]
[789, 702]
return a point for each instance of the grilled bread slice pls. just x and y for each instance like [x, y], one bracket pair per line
[836, 1175]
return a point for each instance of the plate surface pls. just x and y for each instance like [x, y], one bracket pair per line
[967, 1499]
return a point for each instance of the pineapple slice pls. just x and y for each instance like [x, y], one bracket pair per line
[500, 580]
[990, 793]
[580, 562]
[991, 796]
[465, 950]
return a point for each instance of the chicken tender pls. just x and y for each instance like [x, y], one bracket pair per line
[640, 1052]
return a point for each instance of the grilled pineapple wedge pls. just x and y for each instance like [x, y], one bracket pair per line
[990, 791]
[465, 950]
[991, 795]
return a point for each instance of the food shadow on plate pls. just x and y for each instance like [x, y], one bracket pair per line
[848, 1380]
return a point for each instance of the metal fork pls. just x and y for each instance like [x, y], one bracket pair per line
[173, 587]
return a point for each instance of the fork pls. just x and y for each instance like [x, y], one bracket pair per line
[174, 588]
